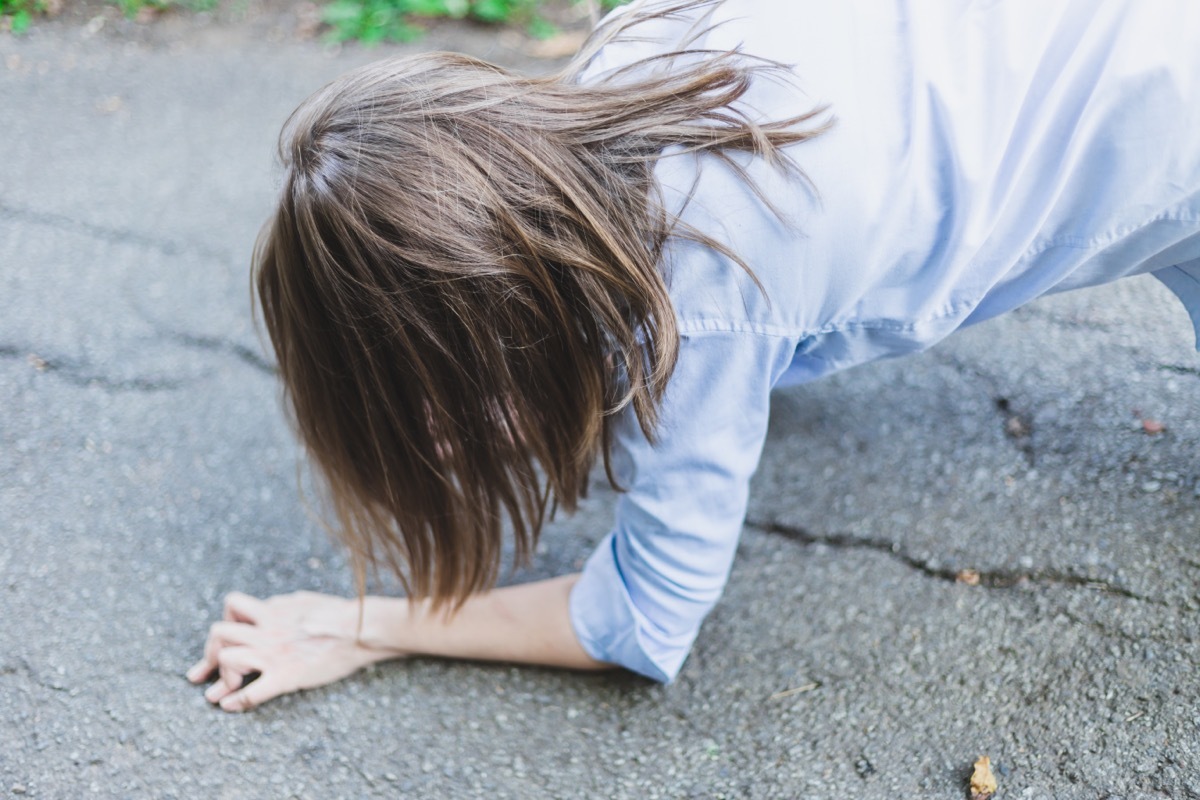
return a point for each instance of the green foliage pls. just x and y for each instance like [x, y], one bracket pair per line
[131, 7]
[368, 21]
[20, 13]
[371, 21]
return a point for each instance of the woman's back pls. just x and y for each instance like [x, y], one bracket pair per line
[984, 154]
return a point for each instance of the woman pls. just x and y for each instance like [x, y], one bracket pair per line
[476, 284]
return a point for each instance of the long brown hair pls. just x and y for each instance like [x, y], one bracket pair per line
[461, 283]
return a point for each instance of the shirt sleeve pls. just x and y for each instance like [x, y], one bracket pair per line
[651, 581]
[1184, 281]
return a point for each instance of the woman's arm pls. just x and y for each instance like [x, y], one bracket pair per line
[305, 640]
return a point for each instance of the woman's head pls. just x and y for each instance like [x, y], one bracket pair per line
[461, 286]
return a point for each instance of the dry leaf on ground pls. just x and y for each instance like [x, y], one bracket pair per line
[983, 782]
[970, 577]
[1017, 427]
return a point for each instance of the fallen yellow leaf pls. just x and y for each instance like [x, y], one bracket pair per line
[983, 782]
[970, 577]
[1153, 427]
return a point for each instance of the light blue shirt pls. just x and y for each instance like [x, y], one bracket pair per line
[984, 154]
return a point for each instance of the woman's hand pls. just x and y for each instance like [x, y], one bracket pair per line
[289, 642]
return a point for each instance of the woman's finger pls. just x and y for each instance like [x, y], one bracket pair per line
[234, 633]
[240, 660]
[224, 634]
[218, 690]
[237, 665]
[212, 648]
[242, 613]
[220, 636]
[234, 665]
[256, 693]
[241, 607]
[201, 670]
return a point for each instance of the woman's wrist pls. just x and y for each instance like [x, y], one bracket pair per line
[381, 627]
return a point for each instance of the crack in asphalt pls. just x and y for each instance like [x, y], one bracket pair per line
[104, 233]
[215, 344]
[1116, 633]
[22, 668]
[80, 373]
[77, 372]
[1179, 369]
[1018, 427]
[991, 579]
[1055, 318]
[212, 344]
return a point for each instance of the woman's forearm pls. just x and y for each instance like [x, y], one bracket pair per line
[265, 648]
[526, 624]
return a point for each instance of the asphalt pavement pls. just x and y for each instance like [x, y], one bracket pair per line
[990, 548]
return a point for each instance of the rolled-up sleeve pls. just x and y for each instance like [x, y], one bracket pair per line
[648, 586]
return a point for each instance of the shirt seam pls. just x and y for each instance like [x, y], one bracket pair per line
[719, 325]
[1124, 232]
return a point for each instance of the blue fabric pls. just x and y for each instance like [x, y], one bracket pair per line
[984, 154]
[1184, 281]
[647, 586]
